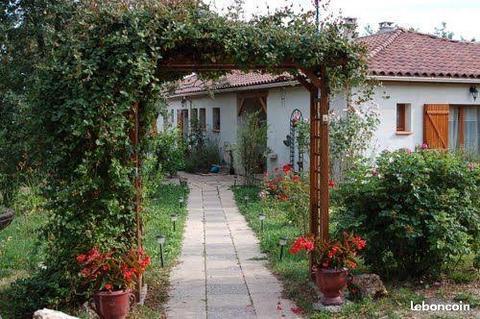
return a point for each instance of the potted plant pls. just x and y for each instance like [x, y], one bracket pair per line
[332, 261]
[112, 275]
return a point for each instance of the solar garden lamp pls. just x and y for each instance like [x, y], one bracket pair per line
[174, 218]
[161, 241]
[261, 217]
[282, 242]
[235, 178]
[181, 200]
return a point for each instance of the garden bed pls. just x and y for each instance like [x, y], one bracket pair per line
[460, 285]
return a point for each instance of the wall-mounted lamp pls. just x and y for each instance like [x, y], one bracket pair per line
[474, 92]
[284, 96]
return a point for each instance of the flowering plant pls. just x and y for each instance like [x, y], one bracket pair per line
[336, 254]
[110, 271]
[272, 184]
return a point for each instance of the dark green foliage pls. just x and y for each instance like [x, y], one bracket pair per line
[202, 152]
[251, 146]
[418, 211]
[201, 159]
[170, 151]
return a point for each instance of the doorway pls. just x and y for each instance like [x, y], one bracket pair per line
[254, 103]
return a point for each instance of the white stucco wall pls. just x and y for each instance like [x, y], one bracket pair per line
[228, 116]
[416, 94]
[279, 111]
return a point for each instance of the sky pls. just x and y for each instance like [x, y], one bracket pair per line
[462, 16]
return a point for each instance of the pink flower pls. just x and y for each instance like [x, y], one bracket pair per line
[424, 146]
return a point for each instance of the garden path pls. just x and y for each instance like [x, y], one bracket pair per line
[222, 273]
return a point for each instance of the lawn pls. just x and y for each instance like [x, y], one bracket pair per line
[460, 285]
[20, 252]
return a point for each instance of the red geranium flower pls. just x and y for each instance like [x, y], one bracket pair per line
[287, 168]
[302, 243]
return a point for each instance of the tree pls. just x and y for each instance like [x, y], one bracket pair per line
[442, 31]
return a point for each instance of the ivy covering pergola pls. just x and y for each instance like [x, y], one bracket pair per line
[95, 101]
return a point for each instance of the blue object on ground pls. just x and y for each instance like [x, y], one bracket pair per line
[215, 169]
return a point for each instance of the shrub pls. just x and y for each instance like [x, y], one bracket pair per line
[200, 159]
[288, 191]
[170, 151]
[418, 210]
[251, 148]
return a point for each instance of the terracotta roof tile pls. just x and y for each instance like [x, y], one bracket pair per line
[396, 53]
[407, 53]
[234, 79]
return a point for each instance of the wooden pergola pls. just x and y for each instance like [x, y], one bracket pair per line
[315, 81]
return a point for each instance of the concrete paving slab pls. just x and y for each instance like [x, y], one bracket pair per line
[221, 272]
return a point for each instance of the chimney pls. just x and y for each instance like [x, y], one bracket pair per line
[386, 26]
[350, 27]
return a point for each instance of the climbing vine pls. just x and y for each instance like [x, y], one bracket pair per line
[111, 55]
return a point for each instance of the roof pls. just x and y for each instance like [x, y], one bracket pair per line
[234, 79]
[398, 53]
[407, 53]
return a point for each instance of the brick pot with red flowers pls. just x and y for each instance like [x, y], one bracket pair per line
[112, 275]
[333, 259]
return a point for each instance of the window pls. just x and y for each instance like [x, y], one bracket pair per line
[194, 118]
[203, 118]
[403, 118]
[216, 119]
[464, 128]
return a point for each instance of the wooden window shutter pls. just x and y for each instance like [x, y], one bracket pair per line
[435, 125]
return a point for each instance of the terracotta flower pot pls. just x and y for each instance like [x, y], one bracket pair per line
[113, 305]
[331, 282]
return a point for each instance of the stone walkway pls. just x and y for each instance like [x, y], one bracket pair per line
[221, 273]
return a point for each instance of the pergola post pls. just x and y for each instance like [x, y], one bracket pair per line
[134, 138]
[319, 158]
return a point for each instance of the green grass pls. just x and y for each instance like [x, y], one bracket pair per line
[19, 252]
[163, 203]
[293, 269]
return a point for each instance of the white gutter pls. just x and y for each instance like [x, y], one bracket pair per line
[419, 79]
[413, 79]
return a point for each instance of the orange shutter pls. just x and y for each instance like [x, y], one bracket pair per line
[435, 125]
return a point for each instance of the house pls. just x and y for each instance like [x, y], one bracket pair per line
[428, 94]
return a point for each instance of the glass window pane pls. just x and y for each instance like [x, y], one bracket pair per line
[453, 142]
